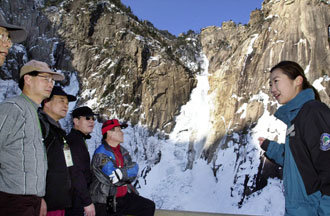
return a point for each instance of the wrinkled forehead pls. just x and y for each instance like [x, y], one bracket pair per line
[60, 97]
[117, 128]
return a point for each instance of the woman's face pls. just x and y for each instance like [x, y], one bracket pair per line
[282, 87]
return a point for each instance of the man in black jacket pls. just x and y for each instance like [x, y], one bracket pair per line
[58, 181]
[83, 124]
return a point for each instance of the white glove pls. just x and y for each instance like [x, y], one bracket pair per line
[116, 176]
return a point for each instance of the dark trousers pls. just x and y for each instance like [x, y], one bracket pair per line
[77, 211]
[77, 208]
[19, 205]
[130, 204]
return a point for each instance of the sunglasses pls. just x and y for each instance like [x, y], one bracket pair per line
[90, 117]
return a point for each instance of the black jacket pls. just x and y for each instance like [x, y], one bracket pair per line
[58, 183]
[313, 163]
[312, 121]
[81, 174]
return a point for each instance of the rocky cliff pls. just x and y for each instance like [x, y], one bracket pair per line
[127, 68]
[241, 56]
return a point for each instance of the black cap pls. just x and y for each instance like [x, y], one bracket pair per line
[17, 34]
[57, 90]
[82, 111]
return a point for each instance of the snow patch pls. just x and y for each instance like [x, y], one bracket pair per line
[317, 83]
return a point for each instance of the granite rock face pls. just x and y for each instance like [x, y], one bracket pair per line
[126, 67]
[241, 57]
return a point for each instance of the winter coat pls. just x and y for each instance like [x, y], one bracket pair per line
[103, 163]
[58, 182]
[81, 174]
[304, 156]
[23, 160]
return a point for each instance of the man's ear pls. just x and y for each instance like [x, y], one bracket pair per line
[109, 134]
[46, 101]
[27, 79]
[75, 121]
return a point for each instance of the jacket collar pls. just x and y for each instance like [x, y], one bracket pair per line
[35, 106]
[108, 147]
[289, 111]
[48, 118]
[81, 134]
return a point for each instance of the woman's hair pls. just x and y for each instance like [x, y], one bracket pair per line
[292, 70]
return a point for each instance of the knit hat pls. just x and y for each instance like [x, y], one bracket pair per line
[108, 125]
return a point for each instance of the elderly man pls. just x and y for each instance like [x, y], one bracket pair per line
[114, 171]
[58, 182]
[83, 124]
[23, 159]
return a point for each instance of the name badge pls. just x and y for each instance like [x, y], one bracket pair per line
[67, 154]
[68, 157]
[290, 131]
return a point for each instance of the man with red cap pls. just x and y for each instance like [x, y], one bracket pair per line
[114, 170]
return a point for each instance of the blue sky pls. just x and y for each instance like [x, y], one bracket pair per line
[179, 16]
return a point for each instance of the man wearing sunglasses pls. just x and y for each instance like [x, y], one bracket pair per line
[58, 181]
[23, 159]
[83, 125]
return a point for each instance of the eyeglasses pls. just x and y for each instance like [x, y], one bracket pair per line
[90, 117]
[5, 38]
[48, 79]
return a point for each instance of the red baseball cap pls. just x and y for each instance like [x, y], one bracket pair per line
[108, 125]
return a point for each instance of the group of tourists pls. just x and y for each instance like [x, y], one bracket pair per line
[44, 171]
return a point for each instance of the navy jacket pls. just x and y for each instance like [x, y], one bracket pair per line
[305, 161]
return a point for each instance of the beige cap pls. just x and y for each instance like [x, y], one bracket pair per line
[39, 66]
